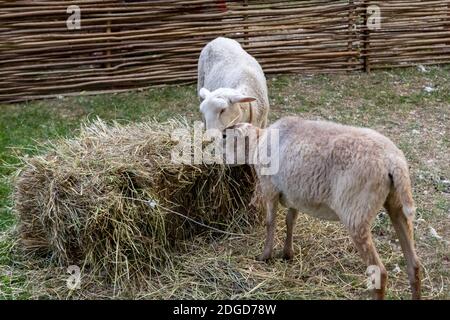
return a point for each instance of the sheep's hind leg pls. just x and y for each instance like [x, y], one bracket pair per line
[405, 232]
[271, 207]
[362, 239]
[291, 217]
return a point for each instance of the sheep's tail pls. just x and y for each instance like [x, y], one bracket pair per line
[402, 188]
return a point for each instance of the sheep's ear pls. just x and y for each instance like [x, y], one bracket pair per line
[204, 93]
[241, 98]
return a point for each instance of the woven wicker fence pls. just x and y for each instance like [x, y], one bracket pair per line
[122, 45]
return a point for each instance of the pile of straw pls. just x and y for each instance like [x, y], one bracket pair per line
[112, 201]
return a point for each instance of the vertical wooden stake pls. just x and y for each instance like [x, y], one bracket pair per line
[108, 52]
[246, 42]
[366, 38]
[448, 18]
[351, 22]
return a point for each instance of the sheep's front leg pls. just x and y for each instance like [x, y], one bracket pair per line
[271, 207]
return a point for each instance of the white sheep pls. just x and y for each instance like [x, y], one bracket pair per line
[336, 172]
[232, 85]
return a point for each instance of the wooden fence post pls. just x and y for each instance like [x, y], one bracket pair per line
[246, 42]
[351, 22]
[108, 52]
[366, 38]
[448, 18]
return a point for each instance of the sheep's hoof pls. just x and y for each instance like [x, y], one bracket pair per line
[287, 255]
[264, 257]
[378, 294]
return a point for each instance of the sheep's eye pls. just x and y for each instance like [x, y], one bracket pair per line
[222, 111]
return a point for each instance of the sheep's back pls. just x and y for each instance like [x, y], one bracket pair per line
[322, 162]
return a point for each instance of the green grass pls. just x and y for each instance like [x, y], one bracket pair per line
[393, 102]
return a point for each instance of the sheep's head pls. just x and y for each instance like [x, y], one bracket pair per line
[246, 130]
[241, 142]
[220, 108]
[254, 146]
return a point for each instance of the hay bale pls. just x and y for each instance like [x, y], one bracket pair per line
[111, 200]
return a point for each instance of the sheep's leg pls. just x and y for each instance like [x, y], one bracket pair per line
[363, 241]
[405, 232]
[271, 207]
[291, 217]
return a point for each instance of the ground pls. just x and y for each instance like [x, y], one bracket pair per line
[410, 106]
